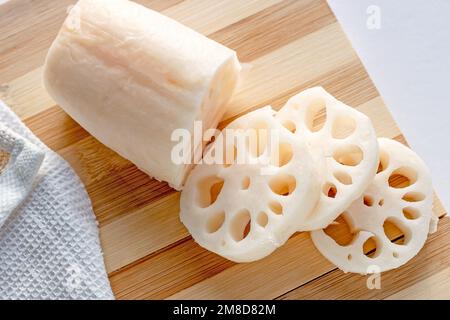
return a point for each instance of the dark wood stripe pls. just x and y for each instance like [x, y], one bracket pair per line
[272, 28]
[123, 192]
[167, 273]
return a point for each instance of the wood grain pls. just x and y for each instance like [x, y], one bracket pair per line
[291, 45]
[400, 283]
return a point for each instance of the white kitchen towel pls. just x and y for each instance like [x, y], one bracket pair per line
[49, 245]
[20, 161]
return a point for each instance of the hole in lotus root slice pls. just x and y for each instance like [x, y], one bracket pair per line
[316, 114]
[282, 184]
[343, 177]
[340, 231]
[368, 200]
[370, 247]
[413, 197]
[343, 127]
[348, 155]
[290, 125]
[411, 213]
[329, 190]
[262, 219]
[394, 231]
[245, 183]
[383, 162]
[276, 207]
[283, 155]
[240, 225]
[208, 190]
[215, 222]
[4, 159]
[247, 229]
[402, 177]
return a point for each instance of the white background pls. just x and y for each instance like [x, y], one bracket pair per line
[408, 58]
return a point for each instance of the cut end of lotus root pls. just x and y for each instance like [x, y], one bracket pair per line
[251, 203]
[389, 224]
[343, 145]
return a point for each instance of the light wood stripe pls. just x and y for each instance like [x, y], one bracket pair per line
[26, 95]
[382, 120]
[201, 15]
[159, 5]
[433, 288]
[146, 230]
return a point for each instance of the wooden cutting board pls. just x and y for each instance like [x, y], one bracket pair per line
[292, 45]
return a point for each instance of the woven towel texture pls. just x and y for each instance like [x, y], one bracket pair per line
[49, 245]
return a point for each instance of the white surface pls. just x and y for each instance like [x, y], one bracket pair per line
[408, 59]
